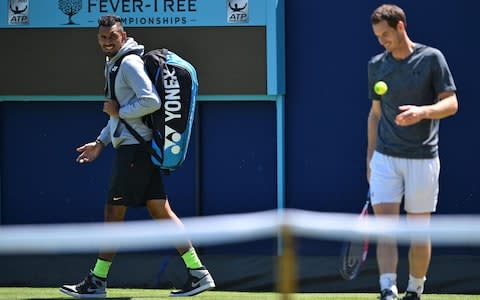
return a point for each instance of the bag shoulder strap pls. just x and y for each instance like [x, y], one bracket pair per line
[110, 84]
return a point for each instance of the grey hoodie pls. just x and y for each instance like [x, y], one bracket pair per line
[136, 95]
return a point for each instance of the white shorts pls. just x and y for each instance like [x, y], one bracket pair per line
[415, 180]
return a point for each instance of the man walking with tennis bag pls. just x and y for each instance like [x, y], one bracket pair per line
[136, 180]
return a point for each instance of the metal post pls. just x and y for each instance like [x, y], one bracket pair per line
[287, 266]
[280, 115]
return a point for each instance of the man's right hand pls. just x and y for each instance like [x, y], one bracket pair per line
[89, 152]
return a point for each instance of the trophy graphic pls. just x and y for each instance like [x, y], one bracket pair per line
[70, 8]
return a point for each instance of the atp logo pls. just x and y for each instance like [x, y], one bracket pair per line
[18, 12]
[237, 11]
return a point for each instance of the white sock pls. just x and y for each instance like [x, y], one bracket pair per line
[389, 281]
[416, 284]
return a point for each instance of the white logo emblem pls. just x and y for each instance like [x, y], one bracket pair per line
[237, 11]
[171, 139]
[18, 12]
[173, 107]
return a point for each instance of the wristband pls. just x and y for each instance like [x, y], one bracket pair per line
[99, 142]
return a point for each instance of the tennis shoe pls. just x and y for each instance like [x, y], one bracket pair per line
[199, 280]
[411, 296]
[388, 294]
[91, 287]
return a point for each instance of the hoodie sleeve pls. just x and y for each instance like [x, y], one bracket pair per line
[104, 136]
[134, 75]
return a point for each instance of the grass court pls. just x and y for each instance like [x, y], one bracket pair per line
[30, 293]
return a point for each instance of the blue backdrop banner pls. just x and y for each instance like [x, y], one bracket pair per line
[135, 13]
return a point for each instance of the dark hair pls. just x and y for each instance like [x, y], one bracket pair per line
[109, 21]
[390, 13]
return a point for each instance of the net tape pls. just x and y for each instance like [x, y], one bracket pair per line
[450, 230]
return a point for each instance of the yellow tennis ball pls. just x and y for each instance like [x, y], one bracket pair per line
[380, 88]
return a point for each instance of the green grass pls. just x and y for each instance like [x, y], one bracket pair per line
[151, 294]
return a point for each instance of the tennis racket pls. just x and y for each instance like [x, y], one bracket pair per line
[354, 253]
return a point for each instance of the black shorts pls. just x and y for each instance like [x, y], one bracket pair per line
[135, 179]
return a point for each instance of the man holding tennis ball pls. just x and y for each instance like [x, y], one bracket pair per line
[411, 89]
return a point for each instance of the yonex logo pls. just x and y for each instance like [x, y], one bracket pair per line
[172, 137]
[172, 94]
[173, 107]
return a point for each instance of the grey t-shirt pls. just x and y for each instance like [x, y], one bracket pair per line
[415, 80]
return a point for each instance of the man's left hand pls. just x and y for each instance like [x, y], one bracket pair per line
[409, 115]
[110, 107]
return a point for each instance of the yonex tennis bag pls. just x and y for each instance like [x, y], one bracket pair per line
[176, 82]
